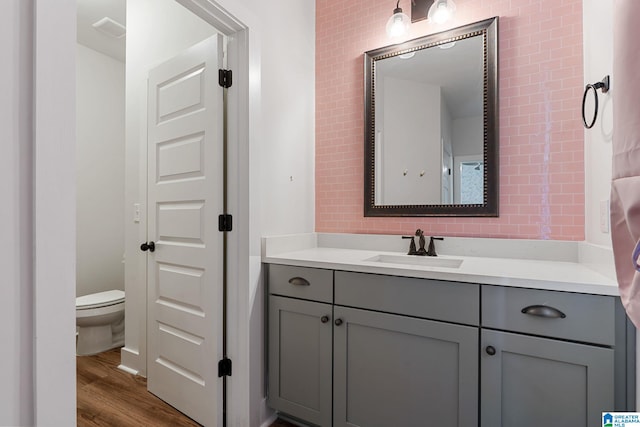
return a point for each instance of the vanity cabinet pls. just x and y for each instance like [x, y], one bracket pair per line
[531, 382]
[300, 343]
[365, 350]
[392, 370]
[300, 354]
[547, 358]
[398, 358]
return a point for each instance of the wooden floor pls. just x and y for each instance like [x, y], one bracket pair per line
[110, 397]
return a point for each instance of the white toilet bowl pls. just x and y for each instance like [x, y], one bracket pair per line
[100, 322]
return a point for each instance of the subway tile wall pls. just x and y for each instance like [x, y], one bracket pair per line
[541, 135]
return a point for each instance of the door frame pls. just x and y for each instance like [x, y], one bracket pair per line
[54, 50]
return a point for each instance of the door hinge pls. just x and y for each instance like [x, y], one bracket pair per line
[224, 368]
[225, 222]
[225, 78]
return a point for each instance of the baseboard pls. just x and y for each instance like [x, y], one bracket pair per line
[269, 420]
[128, 359]
[293, 420]
[128, 370]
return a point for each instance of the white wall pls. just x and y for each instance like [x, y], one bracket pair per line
[468, 136]
[411, 143]
[16, 254]
[598, 62]
[54, 228]
[287, 135]
[100, 172]
[37, 215]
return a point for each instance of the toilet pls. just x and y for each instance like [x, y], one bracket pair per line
[100, 322]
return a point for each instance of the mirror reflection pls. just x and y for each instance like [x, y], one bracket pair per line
[426, 122]
[431, 136]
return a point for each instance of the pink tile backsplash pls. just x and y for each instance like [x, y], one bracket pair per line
[541, 136]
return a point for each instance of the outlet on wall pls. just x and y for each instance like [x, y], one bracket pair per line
[604, 216]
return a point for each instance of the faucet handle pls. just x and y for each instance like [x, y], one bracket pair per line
[412, 245]
[432, 247]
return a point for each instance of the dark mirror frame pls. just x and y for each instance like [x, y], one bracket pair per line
[488, 29]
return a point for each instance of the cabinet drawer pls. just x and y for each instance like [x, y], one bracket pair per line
[431, 299]
[577, 317]
[301, 282]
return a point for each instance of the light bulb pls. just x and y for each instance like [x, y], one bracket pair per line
[398, 24]
[447, 45]
[407, 55]
[441, 11]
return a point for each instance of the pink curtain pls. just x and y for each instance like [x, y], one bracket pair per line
[625, 186]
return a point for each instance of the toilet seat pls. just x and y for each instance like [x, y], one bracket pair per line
[100, 299]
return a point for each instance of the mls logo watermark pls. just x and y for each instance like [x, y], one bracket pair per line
[621, 419]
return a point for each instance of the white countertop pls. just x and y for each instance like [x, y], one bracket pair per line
[569, 276]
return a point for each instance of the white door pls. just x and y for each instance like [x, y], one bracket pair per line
[447, 165]
[185, 190]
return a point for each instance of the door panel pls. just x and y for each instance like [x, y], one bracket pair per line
[529, 382]
[300, 359]
[394, 370]
[181, 284]
[185, 190]
[182, 221]
[181, 94]
[180, 158]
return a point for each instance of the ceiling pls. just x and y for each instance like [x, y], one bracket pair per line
[91, 11]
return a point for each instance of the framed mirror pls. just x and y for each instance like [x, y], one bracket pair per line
[431, 125]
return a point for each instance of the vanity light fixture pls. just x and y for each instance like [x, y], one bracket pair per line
[441, 11]
[447, 45]
[436, 11]
[398, 24]
[407, 55]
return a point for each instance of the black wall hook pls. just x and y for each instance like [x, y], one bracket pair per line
[604, 86]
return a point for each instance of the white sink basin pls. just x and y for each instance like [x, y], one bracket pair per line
[423, 261]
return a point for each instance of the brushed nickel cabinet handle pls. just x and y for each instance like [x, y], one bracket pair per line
[543, 311]
[299, 281]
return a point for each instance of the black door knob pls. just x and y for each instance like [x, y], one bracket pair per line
[490, 350]
[150, 246]
[324, 319]
[338, 322]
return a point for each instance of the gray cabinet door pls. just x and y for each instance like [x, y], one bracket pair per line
[392, 370]
[300, 349]
[531, 382]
